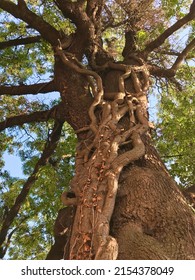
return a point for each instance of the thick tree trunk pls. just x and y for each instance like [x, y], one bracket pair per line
[126, 204]
[152, 219]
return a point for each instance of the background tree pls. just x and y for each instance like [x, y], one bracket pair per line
[104, 57]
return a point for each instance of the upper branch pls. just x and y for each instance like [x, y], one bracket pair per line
[174, 53]
[86, 16]
[155, 70]
[183, 55]
[18, 42]
[50, 147]
[39, 116]
[168, 32]
[170, 73]
[28, 89]
[71, 10]
[21, 11]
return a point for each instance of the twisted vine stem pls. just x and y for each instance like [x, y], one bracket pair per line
[98, 162]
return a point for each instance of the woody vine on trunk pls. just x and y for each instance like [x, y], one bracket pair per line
[99, 161]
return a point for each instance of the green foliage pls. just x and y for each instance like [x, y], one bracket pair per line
[34, 225]
[176, 130]
[22, 64]
[33, 228]
[175, 8]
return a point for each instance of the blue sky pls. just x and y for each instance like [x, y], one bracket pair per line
[13, 165]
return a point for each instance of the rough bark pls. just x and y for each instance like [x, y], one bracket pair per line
[62, 232]
[151, 218]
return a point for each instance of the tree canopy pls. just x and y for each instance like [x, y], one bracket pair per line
[32, 34]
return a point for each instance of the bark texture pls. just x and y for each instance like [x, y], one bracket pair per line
[151, 218]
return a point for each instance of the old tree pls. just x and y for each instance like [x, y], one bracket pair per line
[104, 58]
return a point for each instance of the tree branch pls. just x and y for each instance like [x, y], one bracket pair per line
[173, 53]
[84, 33]
[39, 116]
[170, 73]
[21, 11]
[155, 70]
[20, 41]
[8, 241]
[47, 152]
[183, 55]
[71, 10]
[28, 89]
[168, 32]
